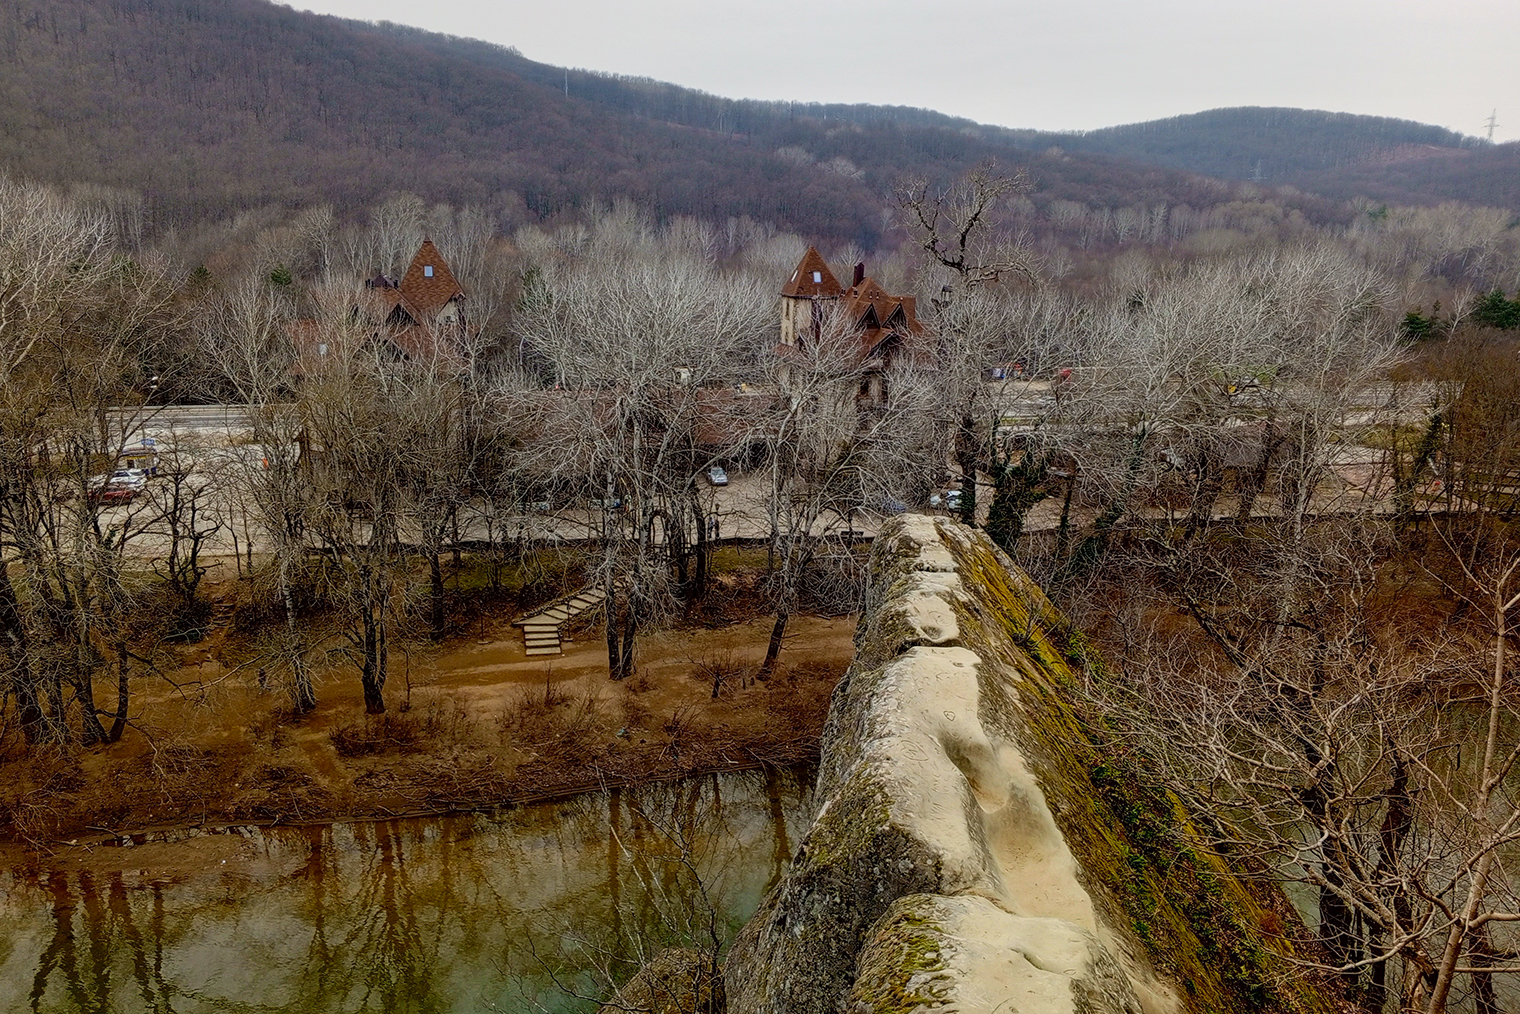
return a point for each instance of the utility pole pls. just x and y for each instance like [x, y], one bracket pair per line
[1492, 122]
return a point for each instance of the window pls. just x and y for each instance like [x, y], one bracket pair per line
[427, 271]
[817, 277]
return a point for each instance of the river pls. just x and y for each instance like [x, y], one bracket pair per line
[523, 910]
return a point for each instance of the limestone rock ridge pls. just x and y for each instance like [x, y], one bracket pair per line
[978, 846]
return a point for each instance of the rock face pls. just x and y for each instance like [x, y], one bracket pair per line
[972, 850]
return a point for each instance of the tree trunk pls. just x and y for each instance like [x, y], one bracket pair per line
[91, 731]
[303, 697]
[436, 594]
[614, 641]
[1015, 490]
[966, 459]
[454, 528]
[630, 632]
[372, 673]
[1063, 529]
[1254, 481]
[1480, 951]
[123, 669]
[1397, 822]
[13, 632]
[778, 632]
[1206, 493]
[700, 554]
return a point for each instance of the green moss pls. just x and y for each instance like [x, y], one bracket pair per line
[1140, 850]
[846, 830]
[904, 970]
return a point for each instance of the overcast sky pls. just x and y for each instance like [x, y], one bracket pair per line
[1076, 64]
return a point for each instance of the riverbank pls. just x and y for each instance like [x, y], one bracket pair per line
[472, 725]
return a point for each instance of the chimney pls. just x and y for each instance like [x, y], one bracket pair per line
[860, 274]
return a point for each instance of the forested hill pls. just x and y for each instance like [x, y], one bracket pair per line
[208, 107]
[1336, 154]
[211, 106]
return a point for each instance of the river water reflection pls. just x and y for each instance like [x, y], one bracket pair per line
[509, 912]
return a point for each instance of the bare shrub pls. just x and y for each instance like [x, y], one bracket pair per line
[549, 722]
[721, 668]
[438, 722]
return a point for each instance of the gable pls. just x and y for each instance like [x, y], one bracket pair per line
[812, 279]
[428, 285]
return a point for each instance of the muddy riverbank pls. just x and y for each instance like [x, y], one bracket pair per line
[472, 725]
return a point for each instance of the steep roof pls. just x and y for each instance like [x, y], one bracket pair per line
[889, 311]
[812, 279]
[429, 292]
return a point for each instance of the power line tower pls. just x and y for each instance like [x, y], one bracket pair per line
[1492, 122]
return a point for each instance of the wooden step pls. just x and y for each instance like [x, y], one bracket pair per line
[543, 651]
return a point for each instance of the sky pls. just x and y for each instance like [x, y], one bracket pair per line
[1072, 65]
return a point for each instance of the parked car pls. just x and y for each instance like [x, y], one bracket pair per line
[136, 478]
[717, 476]
[614, 504]
[950, 500]
[890, 505]
[113, 494]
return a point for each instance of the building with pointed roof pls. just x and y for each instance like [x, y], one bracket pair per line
[877, 325]
[419, 318]
[423, 313]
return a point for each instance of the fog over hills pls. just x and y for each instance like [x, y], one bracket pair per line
[211, 106]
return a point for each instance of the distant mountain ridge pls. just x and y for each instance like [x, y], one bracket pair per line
[1336, 154]
[1265, 143]
[213, 106]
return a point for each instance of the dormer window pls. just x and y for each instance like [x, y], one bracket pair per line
[817, 277]
[427, 271]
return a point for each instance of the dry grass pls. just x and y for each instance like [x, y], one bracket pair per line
[550, 724]
[436, 723]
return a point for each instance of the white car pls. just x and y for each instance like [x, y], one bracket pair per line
[134, 479]
[950, 500]
[717, 476]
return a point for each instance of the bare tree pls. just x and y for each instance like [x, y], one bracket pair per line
[77, 328]
[248, 336]
[635, 343]
[834, 453]
[957, 226]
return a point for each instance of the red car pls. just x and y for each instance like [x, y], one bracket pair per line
[113, 495]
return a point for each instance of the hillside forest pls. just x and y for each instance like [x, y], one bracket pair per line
[211, 109]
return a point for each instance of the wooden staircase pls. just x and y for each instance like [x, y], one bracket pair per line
[541, 628]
